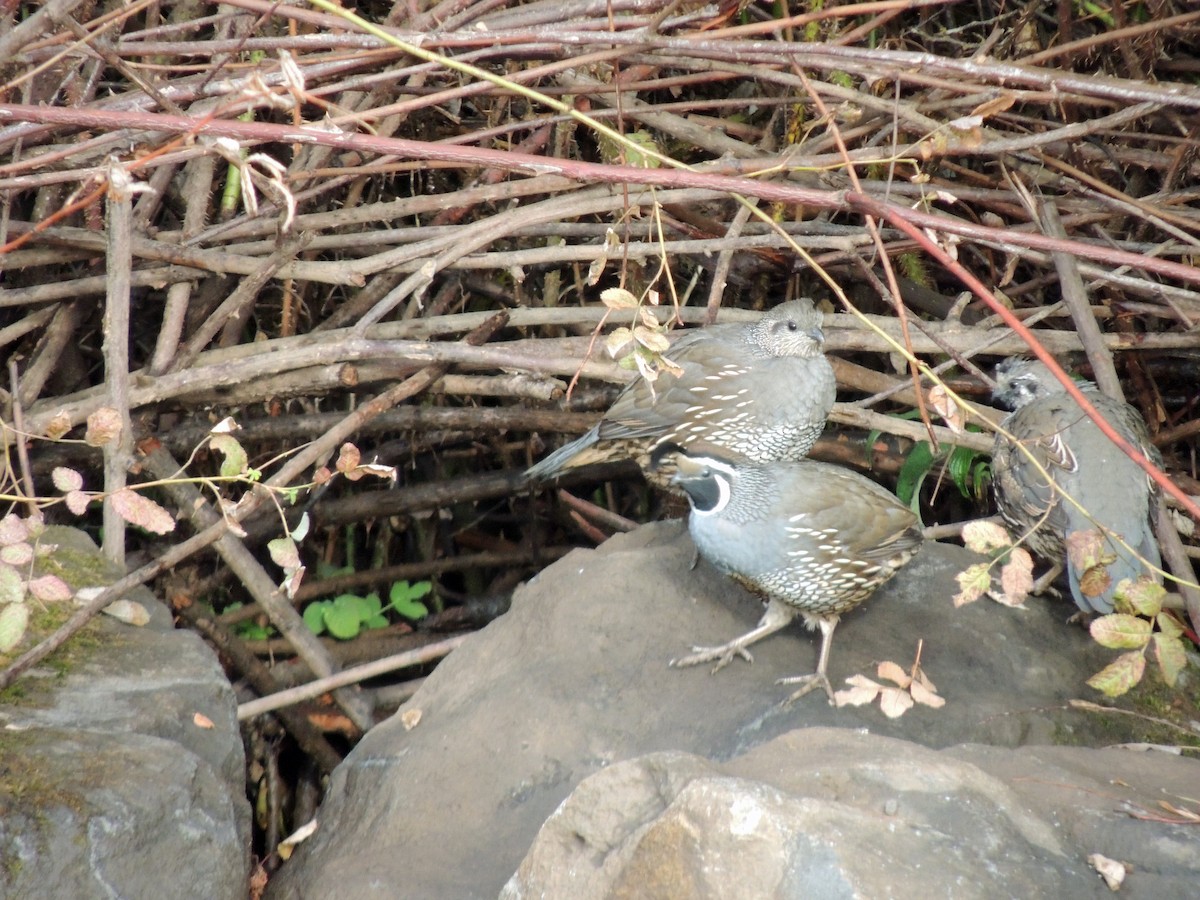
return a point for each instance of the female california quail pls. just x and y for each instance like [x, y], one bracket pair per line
[761, 391]
[815, 539]
[1113, 490]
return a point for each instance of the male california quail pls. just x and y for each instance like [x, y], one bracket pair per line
[761, 391]
[815, 539]
[1113, 490]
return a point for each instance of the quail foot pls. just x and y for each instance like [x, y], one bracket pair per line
[815, 540]
[759, 391]
[1114, 491]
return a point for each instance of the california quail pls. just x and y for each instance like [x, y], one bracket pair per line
[815, 539]
[761, 391]
[1087, 465]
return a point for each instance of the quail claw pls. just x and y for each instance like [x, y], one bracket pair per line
[723, 655]
[807, 684]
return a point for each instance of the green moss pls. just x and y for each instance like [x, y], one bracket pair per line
[33, 783]
[1151, 713]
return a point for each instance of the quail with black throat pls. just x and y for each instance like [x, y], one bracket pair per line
[759, 391]
[815, 540]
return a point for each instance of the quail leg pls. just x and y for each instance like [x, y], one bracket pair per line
[818, 679]
[777, 616]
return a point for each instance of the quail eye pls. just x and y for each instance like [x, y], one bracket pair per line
[792, 326]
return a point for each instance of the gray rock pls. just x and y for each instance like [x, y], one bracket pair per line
[108, 785]
[574, 679]
[830, 813]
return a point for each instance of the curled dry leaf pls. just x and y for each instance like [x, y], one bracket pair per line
[128, 611]
[1112, 871]
[378, 470]
[59, 424]
[348, 458]
[946, 407]
[983, 536]
[301, 834]
[410, 719]
[103, 427]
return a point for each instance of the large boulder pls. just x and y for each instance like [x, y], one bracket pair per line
[828, 812]
[110, 785]
[574, 679]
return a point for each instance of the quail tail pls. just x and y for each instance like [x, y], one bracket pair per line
[563, 458]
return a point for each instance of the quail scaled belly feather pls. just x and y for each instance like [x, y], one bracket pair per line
[814, 539]
[760, 391]
[1083, 462]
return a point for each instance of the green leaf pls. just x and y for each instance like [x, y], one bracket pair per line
[402, 590]
[404, 598]
[354, 605]
[913, 472]
[376, 622]
[235, 461]
[252, 631]
[1171, 656]
[1144, 596]
[372, 604]
[1120, 675]
[1168, 625]
[12, 586]
[14, 617]
[963, 465]
[284, 553]
[618, 298]
[314, 616]
[343, 621]
[1120, 631]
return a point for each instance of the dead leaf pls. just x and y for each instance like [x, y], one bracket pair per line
[946, 407]
[892, 672]
[410, 719]
[1112, 871]
[895, 702]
